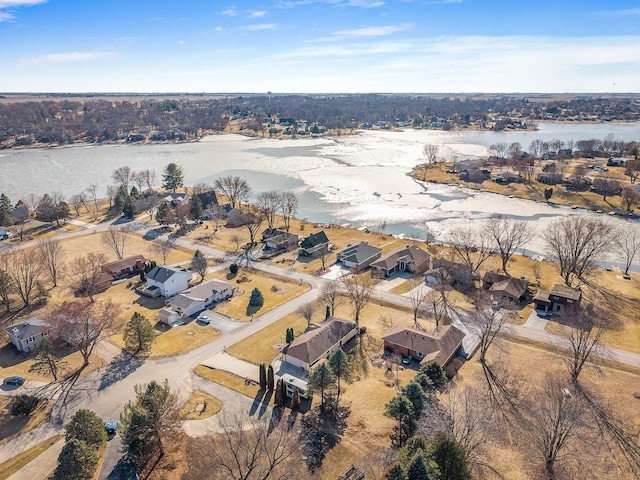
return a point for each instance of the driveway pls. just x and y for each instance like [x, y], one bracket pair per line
[395, 280]
[229, 363]
[536, 322]
[220, 322]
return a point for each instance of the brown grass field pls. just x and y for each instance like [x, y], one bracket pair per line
[11, 426]
[209, 406]
[10, 467]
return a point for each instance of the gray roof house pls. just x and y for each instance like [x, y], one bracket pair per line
[27, 335]
[314, 244]
[195, 299]
[167, 281]
[359, 256]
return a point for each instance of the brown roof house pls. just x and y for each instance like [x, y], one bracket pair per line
[452, 272]
[318, 341]
[505, 287]
[557, 300]
[279, 240]
[359, 256]
[28, 334]
[408, 259]
[125, 267]
[440, 346]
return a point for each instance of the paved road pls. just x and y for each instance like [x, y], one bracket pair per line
[42, 466]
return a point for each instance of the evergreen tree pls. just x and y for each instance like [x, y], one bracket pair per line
[279, 399]
[289, 337]
[435, 372]
[295, 399]
[129, 208]
[321, 379]
[327, 313]
[143, 277]
[163, 214]
[270, 378]
[5, 208]
[172, 177]
[418, 470]
[199, 264]
[415, 394]
[256, 299]
[263, 377]
[395, 472]
[77, 461]
[45, 361]
[195, 208]
[340, 365]
[233, 268]
[139, 334]
[283, 391]
[401, 410]
[120, 199]
[87, 427]
[450, 456]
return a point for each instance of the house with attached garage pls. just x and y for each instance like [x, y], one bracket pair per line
[504, 287]
[557, 300]
[315, 244]
[163, 281]
[28, 334]
[359, 256]
[125, 267]
[410, 259]
[440, 346]
[318, 341]
[194, 300]
[279, 240]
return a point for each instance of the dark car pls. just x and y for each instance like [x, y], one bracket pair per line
[14, 380]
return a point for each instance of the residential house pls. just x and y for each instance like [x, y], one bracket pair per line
[314, 244]
[20, 214]
[195, 299]
[439, 346]
[175, 199]
[276, 239]
[240, 219]
[207, 198]
[359, 256]
[557, 300]
[455, 272]
[167, 281]
[125, 267]
[318, 341]
[27, 335]
[410, 259]
[505, 287]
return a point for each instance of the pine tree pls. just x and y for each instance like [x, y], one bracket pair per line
[340, 367]
[77, 461]
[263, 377]
[295, 399]
[5, 208]
[270, 378]
[415, 394]
[395, 472]
[279, 399]
[195, 208]
[86, 426]
[434, 371]
[129, 209]
[418, 470]
[172, 177]
[327, 313]
[256, 300]
[450, 456]
[401, 410]
[143, 277]
[321, 379]
[289, 336]
[199, 264]
[139, 334]
[45, 362]
[163, 214]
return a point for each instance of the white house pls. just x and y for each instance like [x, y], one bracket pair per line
[318, 341]
[167, 281]
[195, 299]
[27, 335]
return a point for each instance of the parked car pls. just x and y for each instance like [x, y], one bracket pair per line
[110, 427]
[203, 319]
[14, 380]
[407, 360]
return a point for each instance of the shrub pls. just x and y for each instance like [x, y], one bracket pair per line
[233, 268]
[24, 405]
[256, 300]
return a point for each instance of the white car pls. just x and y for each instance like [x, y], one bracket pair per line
[203, 319]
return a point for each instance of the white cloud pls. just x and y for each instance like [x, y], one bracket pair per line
[218, 29]
[230, 12]
[343, 3]
[181, 42]
[435, 2]
[257, 14]
[68, 57]
[12, 4]
[370, 31]
[259, 26]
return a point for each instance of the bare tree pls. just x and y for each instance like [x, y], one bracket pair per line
[254, 222]
[508, 236]
[417, 293]
[112, 191]
[629, 198]
[148, 177]
[627, 241]
[269, 204]
[78, 201]
[585, 326]
[579, 175]
[470, 246]
[51, 255]
[633, 170]
[24, 269]
[236, 189]
[289, 205]
[486, 324]
[554, 423]
[116, 239]
[123, 176]
[430, 153]
[6, 285]
[139, 180]
[576, 243]
[607, 184]
[84, 324]
[307, 311]
[251, 448]
[164, 248]
[438, 299]
[330, 295]
[358, 288]
[236, 239]
[499, 150]
[216, 213]
[85, 273]
[93, 193]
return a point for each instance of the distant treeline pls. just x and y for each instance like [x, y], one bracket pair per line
[64, 121]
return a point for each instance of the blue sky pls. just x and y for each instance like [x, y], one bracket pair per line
[305, 46]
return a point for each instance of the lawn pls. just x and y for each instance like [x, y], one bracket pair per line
[10, 467]
[275, 290]
[229, 380]
[200, 405]
[11, 426]
[177, 340]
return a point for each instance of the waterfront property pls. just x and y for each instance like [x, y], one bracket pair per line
[194, 300]
[359, 256]
[410, 259]
[557, 300]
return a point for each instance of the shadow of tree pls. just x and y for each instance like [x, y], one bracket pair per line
[120, 367]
